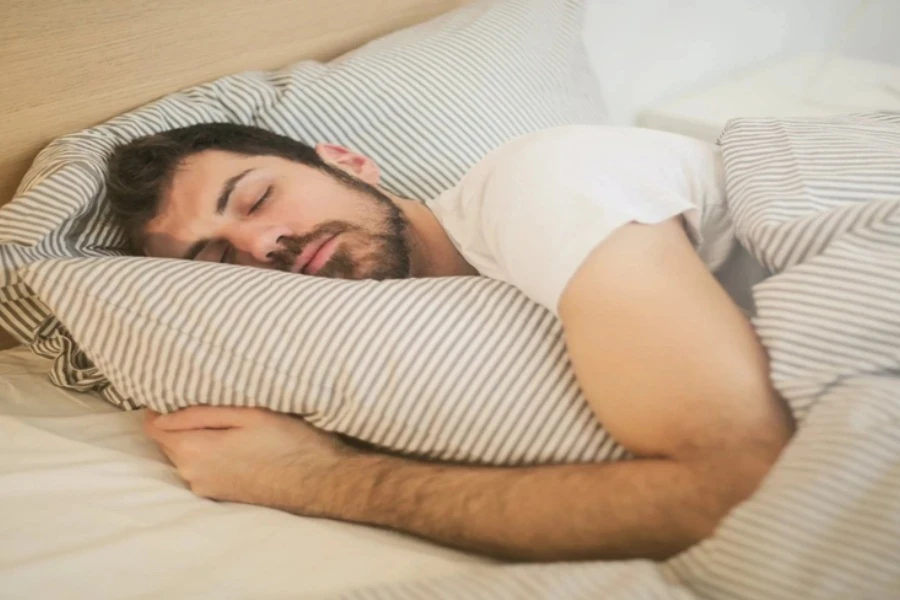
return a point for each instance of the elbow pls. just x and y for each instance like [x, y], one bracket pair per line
[756, 459]
[759, 447]
[732, 474]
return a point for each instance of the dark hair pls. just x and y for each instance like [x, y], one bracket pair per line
[140, 172]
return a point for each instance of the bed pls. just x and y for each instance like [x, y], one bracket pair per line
[91, 509]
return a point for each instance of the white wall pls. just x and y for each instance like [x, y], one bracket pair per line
[647, 50]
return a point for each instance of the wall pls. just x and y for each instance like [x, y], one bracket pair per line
[645, 51]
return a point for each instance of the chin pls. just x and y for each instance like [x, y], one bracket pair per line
[368, 265]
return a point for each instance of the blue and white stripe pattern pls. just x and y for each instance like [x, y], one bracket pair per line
[426, 103]
[818, 202]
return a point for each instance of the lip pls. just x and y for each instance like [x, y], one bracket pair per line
[314, 256]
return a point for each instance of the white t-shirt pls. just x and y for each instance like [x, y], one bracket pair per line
[532, 211]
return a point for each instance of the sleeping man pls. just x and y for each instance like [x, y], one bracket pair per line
[618, 231]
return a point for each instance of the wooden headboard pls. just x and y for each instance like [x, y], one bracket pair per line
[69, 64]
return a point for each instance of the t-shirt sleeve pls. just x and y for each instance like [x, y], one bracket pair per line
[541, 221]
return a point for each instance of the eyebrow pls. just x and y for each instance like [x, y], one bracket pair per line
[222, 203]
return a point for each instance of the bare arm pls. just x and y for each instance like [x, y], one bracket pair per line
[670, 366]
[648, 508]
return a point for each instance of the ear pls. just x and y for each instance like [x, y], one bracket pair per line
[358, 165]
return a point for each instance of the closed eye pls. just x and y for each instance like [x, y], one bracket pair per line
[261, 200]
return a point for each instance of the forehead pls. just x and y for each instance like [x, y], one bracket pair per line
[201, 175]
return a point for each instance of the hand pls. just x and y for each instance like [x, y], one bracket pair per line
[249, 455]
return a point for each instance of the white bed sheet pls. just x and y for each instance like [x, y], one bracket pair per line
[89, 508]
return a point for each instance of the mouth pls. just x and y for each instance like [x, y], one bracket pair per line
[315, 255]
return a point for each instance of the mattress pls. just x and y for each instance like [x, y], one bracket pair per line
[93, 510]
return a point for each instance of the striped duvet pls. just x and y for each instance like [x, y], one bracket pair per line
[817, 202]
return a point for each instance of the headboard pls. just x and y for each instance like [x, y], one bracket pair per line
[70, 64]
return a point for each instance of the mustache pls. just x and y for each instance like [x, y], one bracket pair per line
[291, 246]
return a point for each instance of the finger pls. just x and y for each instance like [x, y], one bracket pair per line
[158, 435]
[180, 446]
[206, 417]
[149, 424]
[161, 437]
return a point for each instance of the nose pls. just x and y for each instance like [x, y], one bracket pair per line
[255, 244]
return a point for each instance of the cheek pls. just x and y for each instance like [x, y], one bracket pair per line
[356, 244]
[362, 250]
[322, 201]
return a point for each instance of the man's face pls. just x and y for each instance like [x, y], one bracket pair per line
[270, 212]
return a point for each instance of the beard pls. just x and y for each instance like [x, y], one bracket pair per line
[378, 249]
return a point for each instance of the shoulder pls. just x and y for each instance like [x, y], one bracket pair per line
[582, 167]
[580, 143]
[540, 160]
[588, 156]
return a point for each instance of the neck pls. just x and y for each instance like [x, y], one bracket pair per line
[432, 254]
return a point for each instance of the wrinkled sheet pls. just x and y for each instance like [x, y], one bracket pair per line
[89, 508]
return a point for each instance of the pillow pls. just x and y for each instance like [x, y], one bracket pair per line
[462, 369]
[426, 103]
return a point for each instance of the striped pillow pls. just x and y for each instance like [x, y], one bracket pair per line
[462, 369]
[426, 103]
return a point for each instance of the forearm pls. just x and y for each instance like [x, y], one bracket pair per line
[643, 508]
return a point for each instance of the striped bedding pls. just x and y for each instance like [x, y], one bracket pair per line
[425, 103]
[465, 370]
[459, 368]
[817, 201]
